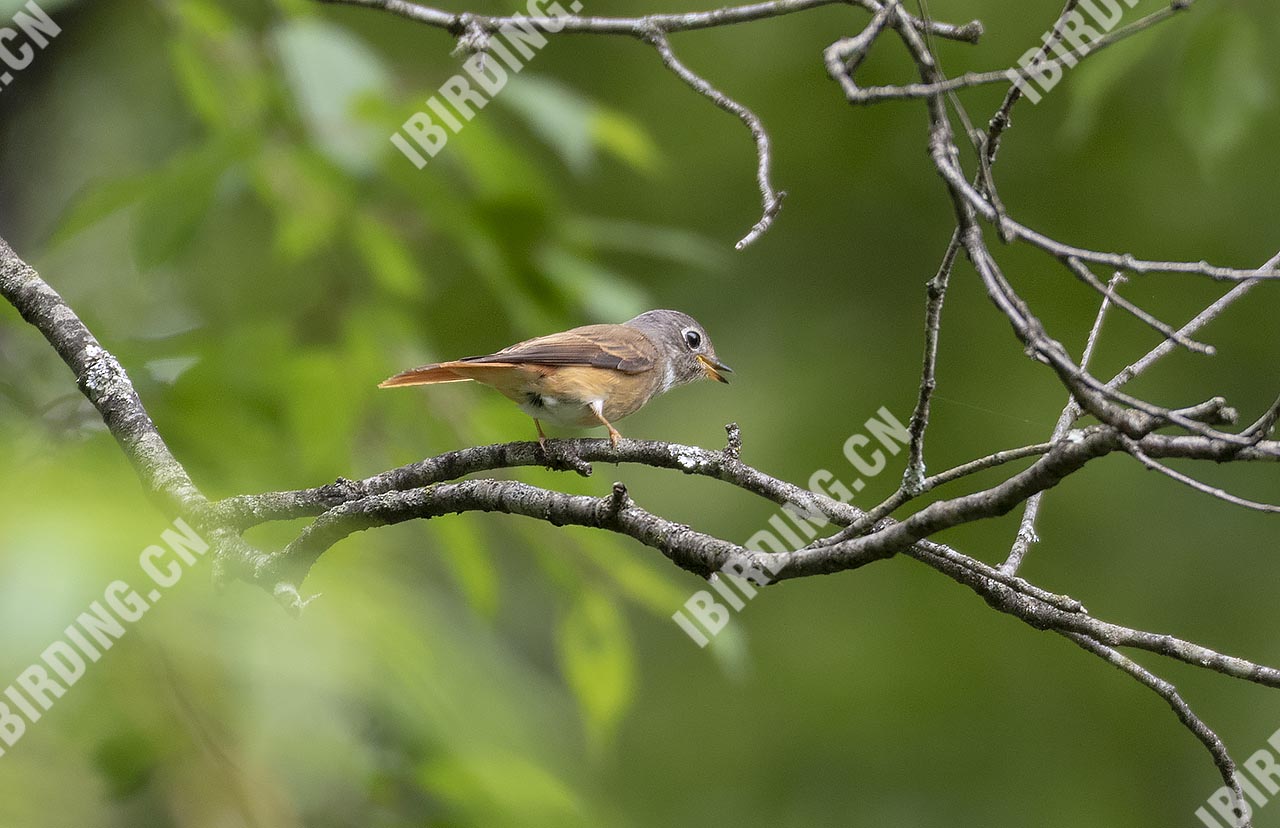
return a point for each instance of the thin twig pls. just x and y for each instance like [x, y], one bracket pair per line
[913, 478]
[899, 498]
[978, 202]
[1192, 722]
[771, 199]
[1212, 312]
[1264, 424]
[1070, 413]
[455, 23]
[1030, 331]
[1067, 59]
[1108, 292]
[1139, 455]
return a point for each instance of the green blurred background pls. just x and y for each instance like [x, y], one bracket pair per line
[210, 185]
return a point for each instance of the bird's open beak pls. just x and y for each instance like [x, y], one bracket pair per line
[713, 368]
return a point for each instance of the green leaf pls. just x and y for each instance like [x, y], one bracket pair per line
[649, 586]
[206, 18]
[602, 293]
[388, 258]
[558, 115]
[575, 127]
[673, 244]
[126, 760]
[1100, 77]
[97, 201]
[625, 138]
[497, 169]
[200, 82]
[503, 789]
[1223, 85]
[307, 196]
[216, 66]
[174, 199]
[596, 659]
[469, 560]
[329, 71]
[180, 196]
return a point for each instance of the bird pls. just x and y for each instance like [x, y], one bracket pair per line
[593, 375]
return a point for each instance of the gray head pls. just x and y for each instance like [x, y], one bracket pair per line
[685, 347]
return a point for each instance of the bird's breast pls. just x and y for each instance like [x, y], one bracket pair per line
[564, 395]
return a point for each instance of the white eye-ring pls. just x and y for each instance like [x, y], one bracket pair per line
[692, 338]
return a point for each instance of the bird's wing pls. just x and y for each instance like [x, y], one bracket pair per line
[598, 346]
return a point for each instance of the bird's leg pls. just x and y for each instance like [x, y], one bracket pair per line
[597, 408]
[564, 459]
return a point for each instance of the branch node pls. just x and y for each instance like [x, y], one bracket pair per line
[617, 500]
[772, 206]
[473, 39]
[558, 456]
[913, 480]
[970, 32]
[771, 199]
[733, 448]
[291, 599]
[342, 490]
[1213, 411]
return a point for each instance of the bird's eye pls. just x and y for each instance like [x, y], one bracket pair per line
[693, 339]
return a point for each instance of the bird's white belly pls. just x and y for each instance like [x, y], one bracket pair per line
[558, 411]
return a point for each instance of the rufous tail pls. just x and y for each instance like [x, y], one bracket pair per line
[426, 375]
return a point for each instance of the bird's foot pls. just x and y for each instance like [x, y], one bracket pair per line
[558, 456]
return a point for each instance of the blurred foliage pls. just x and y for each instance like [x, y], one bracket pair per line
[211, 185]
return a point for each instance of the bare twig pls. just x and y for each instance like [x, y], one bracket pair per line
[1212, 312]
[1109, 294]
[913, 478]
[1126, 262]
[1214, 491]
[455, 23]
[1264, 424]
[899, 498]
[1067, 58]
[1181, 709]
[1070, 413]
[472, 28]
[1091, 395]
[772, 199]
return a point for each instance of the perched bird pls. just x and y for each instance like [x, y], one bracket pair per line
[593, 375]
